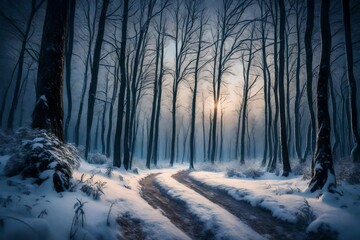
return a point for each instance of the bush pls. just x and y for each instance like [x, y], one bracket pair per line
[232, 173]
[253, 173]
[40, 155]
[97, 158]
[91, 188]
[347, 171]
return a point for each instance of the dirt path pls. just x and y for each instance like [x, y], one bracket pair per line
[258, 219]
[174, 210]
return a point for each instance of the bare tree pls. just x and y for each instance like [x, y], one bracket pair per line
[123, 83]
[48, 112]
[283, 135]
[68, 57]
[230, 28]
[197, 71]
[309, 67]
[94, 74]
[324, 174]
[185, 28]
[90, 27]
[355, 153]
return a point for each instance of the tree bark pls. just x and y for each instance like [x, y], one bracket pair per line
[48, 113]
[69, 53]
[121, 100]
[283, 134]
[272, 163]
[193, 104]
[309, 67]
[355, 152]
[324, 175]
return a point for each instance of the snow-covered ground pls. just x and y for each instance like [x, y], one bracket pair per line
[288, 199]
[213, 216]
[29, 211]
[38, 212]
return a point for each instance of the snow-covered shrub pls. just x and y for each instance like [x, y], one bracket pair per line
[244, 173]
[305, 213]
[40, 155]
[232, 173]
[91, 188]
[253, 173]
[97, 158]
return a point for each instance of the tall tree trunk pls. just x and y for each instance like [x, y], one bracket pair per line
[6, 92]
[121, 100]
[103, 125]
[309, 68]
[150, 149]
[210, 135]
[193, 104]
[91, 29]
[246, 74]
[111, 110]
[283, 135]
[127, 128]
[272, 163]
[173, 116]
[96, 140]
[69, 53]
[158, 111]
[48, 113]
[221, 134]
[264, 66]
[297, 90]
[335, 148]
[355, 152]
[288, 80]
[237, 137]
[203, 126]
[270, 120]
[94, 75]
[324, 175]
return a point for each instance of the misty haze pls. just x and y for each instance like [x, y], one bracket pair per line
[179, 119]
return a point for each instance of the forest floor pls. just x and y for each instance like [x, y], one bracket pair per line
[175, 203]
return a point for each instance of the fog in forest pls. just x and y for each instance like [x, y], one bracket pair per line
[250, 25]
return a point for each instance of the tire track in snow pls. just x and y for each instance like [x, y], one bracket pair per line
[220, 222]
[260, 220]
[174, 210]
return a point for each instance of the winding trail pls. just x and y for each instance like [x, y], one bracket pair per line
[258, 219]
[172, 209]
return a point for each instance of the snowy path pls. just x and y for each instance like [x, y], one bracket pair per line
[173, 210]
[258, 219]
[198, 217]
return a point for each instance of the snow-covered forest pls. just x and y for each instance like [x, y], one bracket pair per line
[179, 119]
